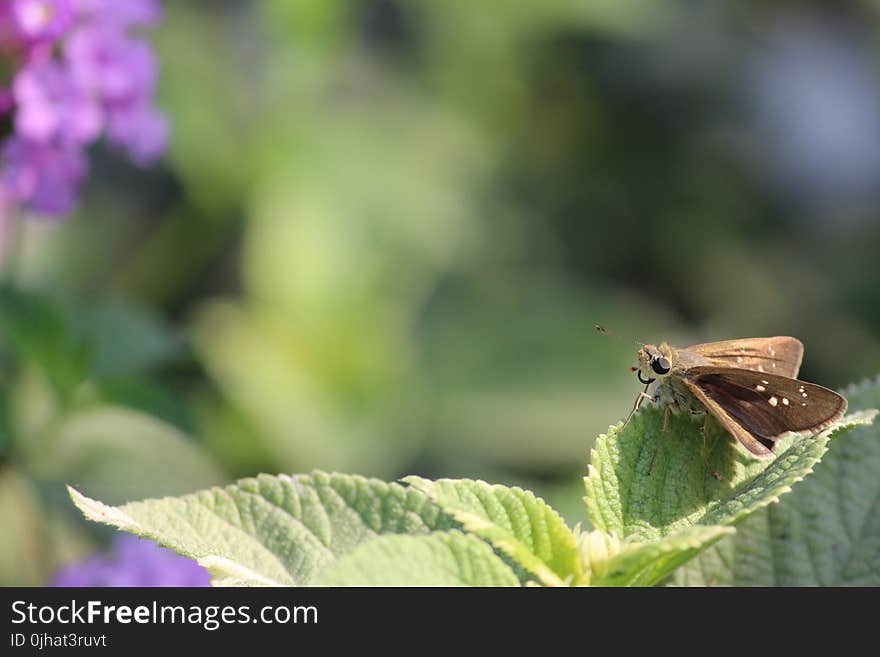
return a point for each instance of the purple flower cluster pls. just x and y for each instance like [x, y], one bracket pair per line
[76, 72]
[137, 562]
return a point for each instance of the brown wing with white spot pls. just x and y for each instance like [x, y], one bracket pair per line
[763, 405]
[762, 448]
[781, 355]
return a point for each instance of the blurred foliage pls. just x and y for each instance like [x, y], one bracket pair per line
[79, 406]
[386, 228]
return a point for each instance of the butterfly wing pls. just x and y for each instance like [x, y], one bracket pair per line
[759, 407]
[762, 448]
[781, 355]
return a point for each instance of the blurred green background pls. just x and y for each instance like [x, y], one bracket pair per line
[385, 230]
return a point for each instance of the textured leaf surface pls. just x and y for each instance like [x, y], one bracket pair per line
[523, 526]
[826, 534]
[274, 530]
[681, 491]
[437, 559]
[646, 564]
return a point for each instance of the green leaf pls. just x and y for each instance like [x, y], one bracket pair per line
[124, 340]
[438, 559]
[274, 530]
[35, 331]
[118, 454]
[681, 491]
[160, 401]
[25, 557]
[826, 534]
[523, 526]
[328, 394]
[70, 340]
[644, 564]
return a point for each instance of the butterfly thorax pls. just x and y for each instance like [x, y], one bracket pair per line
[673, 392]
[665, 365]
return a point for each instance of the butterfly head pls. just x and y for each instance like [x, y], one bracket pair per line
[654, 362]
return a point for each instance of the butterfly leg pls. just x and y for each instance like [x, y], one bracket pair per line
[660, 440]
[638, 403]
[706, 450]
[656, 451]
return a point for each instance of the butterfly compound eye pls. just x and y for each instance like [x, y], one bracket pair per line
[660, 365]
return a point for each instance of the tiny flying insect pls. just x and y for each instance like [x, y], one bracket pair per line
[749, 386]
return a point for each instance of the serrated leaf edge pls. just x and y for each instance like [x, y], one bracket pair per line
[695, 537]
[472, 522]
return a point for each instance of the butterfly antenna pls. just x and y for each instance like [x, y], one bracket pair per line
[604, 331]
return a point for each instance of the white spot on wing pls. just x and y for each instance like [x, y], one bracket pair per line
[739, 359]
[766, 383]
[785, 400]
[773, 401]
[760, 388]
[803, 394]
[760, 368]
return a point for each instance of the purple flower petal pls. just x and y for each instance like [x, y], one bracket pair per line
[41, 20]
[108, 64]
[45, 178]
[141, 129]
[77, 71]
[136, 562]
[51, 106]
[126, 12]
[10, 41]
[6, 101]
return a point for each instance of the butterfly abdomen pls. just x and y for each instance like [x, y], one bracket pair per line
[673, 393]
